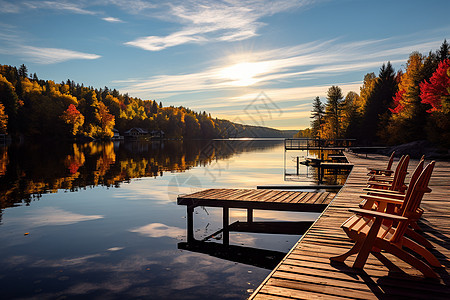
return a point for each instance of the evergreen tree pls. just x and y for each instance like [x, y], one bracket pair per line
[317, 115]
[332, 110]
[378, 103]
[23, 71]
[154, 108]
[444, 52]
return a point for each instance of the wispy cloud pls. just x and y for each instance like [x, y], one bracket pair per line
[51, 55]
[112, 20]
[59, 5]
[263, 69]
[211, 20]
[12, 42]
[7, 7]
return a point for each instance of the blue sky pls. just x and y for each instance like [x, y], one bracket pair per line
[219, 56]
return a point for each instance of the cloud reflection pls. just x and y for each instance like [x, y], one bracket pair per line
[55, 216]
[160, 230]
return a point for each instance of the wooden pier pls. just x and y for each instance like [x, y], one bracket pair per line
[251, 199]
[259, 199]
[306, 271]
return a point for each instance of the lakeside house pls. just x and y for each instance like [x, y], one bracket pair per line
[137, 133]
[157, 134]
[116, 136]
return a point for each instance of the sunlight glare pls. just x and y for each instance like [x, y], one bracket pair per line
[244, 73]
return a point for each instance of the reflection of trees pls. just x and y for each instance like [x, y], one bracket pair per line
[28, 171]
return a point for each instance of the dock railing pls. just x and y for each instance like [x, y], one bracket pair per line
[316, 144]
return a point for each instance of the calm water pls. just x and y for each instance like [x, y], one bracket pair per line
[101, 221]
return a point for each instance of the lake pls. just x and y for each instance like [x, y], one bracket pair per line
[100, 220]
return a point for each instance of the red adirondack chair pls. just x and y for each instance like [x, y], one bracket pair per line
[386, 171]
[370, 233]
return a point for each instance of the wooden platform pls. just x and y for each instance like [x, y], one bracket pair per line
[333, 165]
[259, 199]
[306, 271]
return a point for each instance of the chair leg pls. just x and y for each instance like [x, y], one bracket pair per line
[416, 226]
[419, 238]
[354, 250]
[368, 243]
[430, 258]
[411, 260]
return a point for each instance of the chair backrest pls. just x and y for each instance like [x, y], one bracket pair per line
[412, 182]
[412, 200]
[417, 171]
[391, 160]
[400, 174]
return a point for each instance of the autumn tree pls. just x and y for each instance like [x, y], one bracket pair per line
[366, 91]
[408, 119]
[436, 93]
[106, 121]
[74, 119]
[3, 120]
[350, 116]
[10, 101]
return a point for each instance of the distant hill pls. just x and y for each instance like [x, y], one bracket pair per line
[240, 130]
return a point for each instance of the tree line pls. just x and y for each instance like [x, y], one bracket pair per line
[39, 108]
[393, 107]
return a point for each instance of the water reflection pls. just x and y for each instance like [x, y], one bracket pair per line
[111, 243]
[28, 171]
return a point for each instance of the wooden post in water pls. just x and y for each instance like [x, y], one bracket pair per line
[190, 224]
[226, 231]
[249, 215]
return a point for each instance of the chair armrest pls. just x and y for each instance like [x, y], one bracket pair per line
[382, 199]
[381, 193]
[379, 183]
[380, 170]
[381, 178]
[375, 214]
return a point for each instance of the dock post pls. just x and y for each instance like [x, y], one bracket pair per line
[226, 230]
[190, 223]
[249, 215]
[298, 163]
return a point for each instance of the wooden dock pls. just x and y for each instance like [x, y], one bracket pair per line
[306, 271]
[333, 165]
[259, 199]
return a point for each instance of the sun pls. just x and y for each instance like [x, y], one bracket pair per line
[243, 73]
